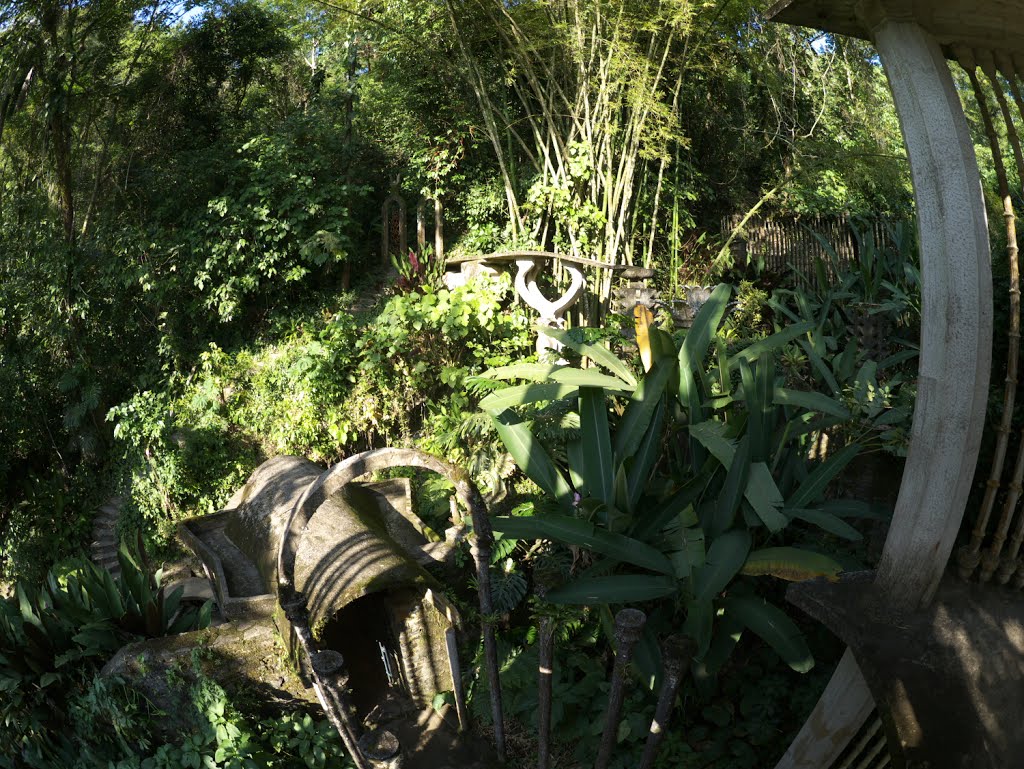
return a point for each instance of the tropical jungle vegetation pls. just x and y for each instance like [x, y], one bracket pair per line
[191, 281]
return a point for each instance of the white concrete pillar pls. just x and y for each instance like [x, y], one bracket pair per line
[956, 326]
[956, 351]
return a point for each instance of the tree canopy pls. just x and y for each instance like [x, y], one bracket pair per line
[172, 175]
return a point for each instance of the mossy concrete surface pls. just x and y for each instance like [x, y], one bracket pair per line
[246, 658]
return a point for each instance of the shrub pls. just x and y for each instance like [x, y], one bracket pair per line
[326, 389]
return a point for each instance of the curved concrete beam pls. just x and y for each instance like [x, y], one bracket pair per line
[293, 604]
[551, 312]
[840, 713]
[956, 324]
[956, 340]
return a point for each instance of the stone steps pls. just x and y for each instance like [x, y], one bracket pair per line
[103, 549]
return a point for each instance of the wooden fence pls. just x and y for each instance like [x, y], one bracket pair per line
[792, 243]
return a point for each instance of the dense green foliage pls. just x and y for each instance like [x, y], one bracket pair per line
[167, 184]
[191, 282]
[323, 388]
[53, 637]
[686, 497]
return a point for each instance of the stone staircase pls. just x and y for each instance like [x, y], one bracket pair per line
[103, 548]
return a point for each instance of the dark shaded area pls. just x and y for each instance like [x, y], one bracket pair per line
[357, 631]
[947, 679]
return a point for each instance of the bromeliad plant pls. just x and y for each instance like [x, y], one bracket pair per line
[680, 484]
[53, 638]
[416, 273]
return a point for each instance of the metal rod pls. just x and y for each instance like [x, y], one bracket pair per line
[480, 548]
[545, 575]
[676, 655]
[545, 672]
[628, 625]
[455, 667]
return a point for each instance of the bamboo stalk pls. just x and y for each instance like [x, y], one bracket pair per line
[1010, 562]
[991, 559]
[969, 556]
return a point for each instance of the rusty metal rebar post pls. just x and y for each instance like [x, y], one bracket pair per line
[676, 654]
[545, 672]
[330, 683]
[629, 623]
[452, 646]
[480, 547]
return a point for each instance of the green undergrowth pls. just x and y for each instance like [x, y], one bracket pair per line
[322, 389]
[741, 718]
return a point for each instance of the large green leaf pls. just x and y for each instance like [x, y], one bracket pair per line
[897, 358]
[830, 523]
[580, 533]
[621, 500]
[531, 456]
[812, 401]
[170, 604]
[625, 588]
[520, 395]
[653, 522]
[726, 636]
[704, 327]
[115, 601]
[695, 346]
[590, 378]
[773, 342]
[662, 344]
[26, 606]
[640, 409]
[597, 469]
[736, 480]
[791, 564]
[854, 508]
[694, 548]
[774, 627]
[757, 386]
[574, 453]
[725, 558]
[813, 486]
[764, 496]
[644, 458]
[536, 372]
[600, 355]
[819, 365]
[699, 615]
[711, 435]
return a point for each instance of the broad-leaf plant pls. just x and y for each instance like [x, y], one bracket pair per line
[681, 483]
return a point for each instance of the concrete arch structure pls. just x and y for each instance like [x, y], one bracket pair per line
[957, 309]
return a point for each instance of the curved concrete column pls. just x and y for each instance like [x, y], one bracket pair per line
[956, 340]
[956, 327]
